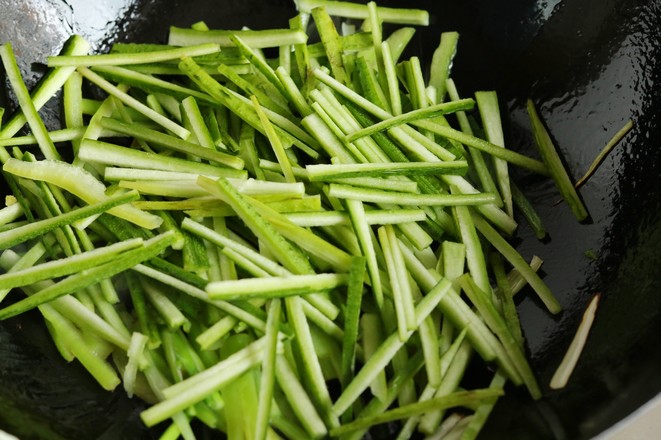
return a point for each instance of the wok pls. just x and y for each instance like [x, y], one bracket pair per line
[590, 65]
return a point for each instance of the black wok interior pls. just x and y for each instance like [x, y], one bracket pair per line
[590, 65]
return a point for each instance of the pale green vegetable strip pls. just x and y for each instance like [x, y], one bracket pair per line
[495, 321]
[12, 262]
[478, 162]
[275, 141]
[475, 260]
[519, 263]
[384, 354]
[274, 287]
[482, 412]
[354, 10]
[298, 398]
[391, 197]
[51, 83]
[134, 103]
[375, 217]
[413, 115]
[267, 378]
[364, 236]
[256, 39]
[79, 182]
[134, 353]
[487, 103]
[110, 154]
[120, 59]
[171, 142]
[459, 398]
[225, 371]
[25, 102]
[326, 171]
[104, 374]
[391, 79]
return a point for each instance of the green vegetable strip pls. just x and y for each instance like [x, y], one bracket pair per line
[267, 379]
[351, 318]
[104, 374]
[505, 298]
[171, 142]
[354, 10]
[120, 59]
[47, 87]
[134, 103]
[519, 263]
[12, 262]
[384, 354]
[495, 321]
[293, 93]
[448, 132]
[310, 361]
[375, 217]
[109, 154]
[89, 277]
[275, 142]
[478, 162]
[331, 42]
[63, 135]
[459, 398]
[168, 310]
[441, 62]
[72, 97]
[325, 171]
[297, 397]
[617, 137]
[79, 182]
[256, 39]
[25, 102]
[66, 266]
[18, 235]
[225, 371]
[487, 103]
[528, 211]
[475, 259]
[483, 411]
[193, 113]
[456, 361]
[501, 153]
[406, 199]
[274, 287]
[258, 62]
[290, 257]
[414, 115]
[148, 83]
[364, 236]
[134, 353]
[552, 160]
[305, 239]
[391, 78]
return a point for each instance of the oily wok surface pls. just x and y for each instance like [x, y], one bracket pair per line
[589, 65]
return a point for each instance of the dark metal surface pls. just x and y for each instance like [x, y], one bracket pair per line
[590, 65]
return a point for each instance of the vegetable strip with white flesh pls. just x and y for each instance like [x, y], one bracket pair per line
[301, 219]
